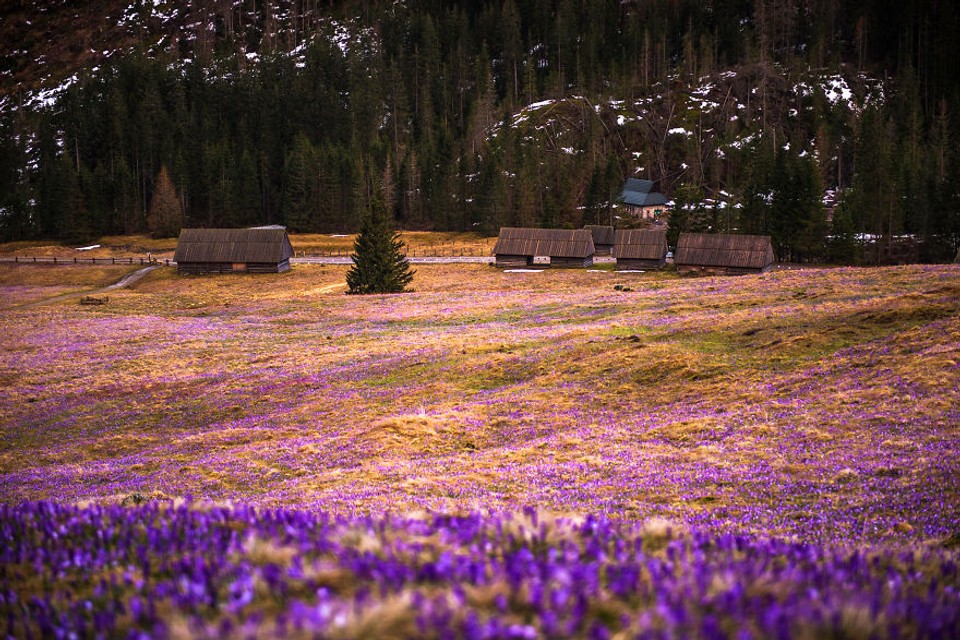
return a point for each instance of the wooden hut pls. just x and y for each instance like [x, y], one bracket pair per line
[603, 238]
[723, 253]
[640, 248]
[517, 247]
[257, 250]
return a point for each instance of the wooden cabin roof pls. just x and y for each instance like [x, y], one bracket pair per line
[263, 245]
[602, 233]
[641, 244]
[560, 243]
[724, 250]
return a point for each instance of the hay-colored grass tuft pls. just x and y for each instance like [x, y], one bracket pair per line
[658, 532]
[845, 476]
[418, 433]
[690, 431]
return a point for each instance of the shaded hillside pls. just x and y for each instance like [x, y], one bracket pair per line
[46, 42]
[471, 115]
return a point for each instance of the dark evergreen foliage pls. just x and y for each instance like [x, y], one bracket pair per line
[379, 264]
[417, 113]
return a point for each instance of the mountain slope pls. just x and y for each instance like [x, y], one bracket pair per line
[475, 115]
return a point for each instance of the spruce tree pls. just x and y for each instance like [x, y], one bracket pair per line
[379, 265]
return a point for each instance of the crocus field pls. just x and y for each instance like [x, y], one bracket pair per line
[559, 454]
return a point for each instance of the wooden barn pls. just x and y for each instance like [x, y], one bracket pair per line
[256, 250]
[517, 247]
[603, 238]
[640, 248]
[723, 253]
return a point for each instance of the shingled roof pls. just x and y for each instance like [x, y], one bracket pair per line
[257, 245]
[725, 250]
[556, 243]
[640, 244]
[602, 233]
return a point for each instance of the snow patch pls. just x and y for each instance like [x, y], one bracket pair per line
[837, 89]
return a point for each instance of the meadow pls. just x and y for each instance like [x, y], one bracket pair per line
[552, 454]
[304, 244]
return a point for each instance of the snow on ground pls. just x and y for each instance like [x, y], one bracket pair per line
[48, 97]
[837, 89]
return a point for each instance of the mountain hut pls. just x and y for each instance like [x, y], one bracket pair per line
[723, 253]
[603, 238]
[640, 248]
[517, 247]
[256, 250]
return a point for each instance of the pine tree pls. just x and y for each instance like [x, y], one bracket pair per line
[842, 246]
[300, 200]
[379, 265]
[688, 215]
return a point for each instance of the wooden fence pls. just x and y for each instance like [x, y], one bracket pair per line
[56, 260]
[417, 252]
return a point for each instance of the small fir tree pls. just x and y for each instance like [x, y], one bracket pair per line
[379, 265]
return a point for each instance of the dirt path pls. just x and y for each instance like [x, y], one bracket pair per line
[125, 281]
[330, 288]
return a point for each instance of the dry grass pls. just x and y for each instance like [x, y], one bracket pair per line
[43, 275]
[446, 243]
[26, 283]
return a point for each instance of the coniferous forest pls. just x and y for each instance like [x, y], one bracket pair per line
[472, 115]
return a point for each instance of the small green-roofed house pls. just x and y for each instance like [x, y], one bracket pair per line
[641, 200]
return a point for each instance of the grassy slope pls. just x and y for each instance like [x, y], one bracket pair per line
[821, 404]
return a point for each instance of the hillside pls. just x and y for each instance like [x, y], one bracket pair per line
[308, 114]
